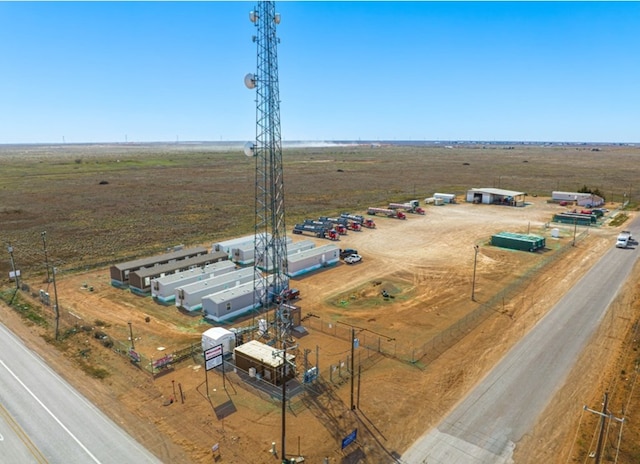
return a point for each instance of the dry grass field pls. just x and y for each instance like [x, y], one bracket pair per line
[103, 204]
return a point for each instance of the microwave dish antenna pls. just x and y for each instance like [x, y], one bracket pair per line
[249, 149]
[250, 81]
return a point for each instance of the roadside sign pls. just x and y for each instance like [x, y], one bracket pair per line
[213, 357]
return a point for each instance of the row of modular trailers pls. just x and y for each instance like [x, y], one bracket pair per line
[219, 284]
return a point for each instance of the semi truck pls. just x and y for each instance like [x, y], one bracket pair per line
[318, 230]
[363, 221]
[392, 213]
[409, 207]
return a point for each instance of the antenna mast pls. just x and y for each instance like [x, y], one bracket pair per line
[270, 228]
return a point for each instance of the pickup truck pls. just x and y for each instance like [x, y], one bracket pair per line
[289, 294]
[624, 238]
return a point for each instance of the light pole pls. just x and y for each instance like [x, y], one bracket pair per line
[46, 259]
[473, 282]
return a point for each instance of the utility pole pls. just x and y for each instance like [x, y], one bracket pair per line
[13, 267]
[283, 353]
[55, 306]
[133, 347]
[473, 282]
[604, 415]
[353, 355]
[46, 259]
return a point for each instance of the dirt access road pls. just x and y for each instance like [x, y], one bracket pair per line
[426, 263]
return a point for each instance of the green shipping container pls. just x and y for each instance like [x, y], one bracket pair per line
[523, 242]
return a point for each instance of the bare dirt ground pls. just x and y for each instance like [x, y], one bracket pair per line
[426, 263]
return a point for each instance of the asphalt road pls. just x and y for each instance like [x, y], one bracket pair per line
[44, 420]
[486, 426]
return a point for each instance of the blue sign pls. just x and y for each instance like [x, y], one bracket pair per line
[346, 441]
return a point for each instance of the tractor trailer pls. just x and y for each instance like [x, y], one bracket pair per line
[392, 213]
[318, 230]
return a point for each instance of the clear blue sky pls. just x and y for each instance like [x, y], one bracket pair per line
[147, 71]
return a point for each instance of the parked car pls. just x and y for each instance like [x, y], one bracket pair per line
[352, 259]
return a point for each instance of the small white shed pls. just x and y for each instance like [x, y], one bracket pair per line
[219, 336]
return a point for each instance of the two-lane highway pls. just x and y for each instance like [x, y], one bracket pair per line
[486, 426]
[45, 420]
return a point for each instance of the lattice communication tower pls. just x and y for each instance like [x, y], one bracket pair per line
[270, 228]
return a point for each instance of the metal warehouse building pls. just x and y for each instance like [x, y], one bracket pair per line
[140, 280]
[494, 196]
[120, 272]
[163, 289]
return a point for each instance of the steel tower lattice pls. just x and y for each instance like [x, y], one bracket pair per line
[270, 228]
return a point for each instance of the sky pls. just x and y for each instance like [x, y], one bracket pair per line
[94, 72]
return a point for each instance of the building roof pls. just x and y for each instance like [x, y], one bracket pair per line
[152, 260]
[266, 354]
[179, 264]
[497, 191]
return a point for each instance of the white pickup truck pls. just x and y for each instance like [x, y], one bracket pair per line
[624, 238]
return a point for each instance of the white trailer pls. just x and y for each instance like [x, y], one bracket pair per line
[189, 297]
[230, 303]
[292, 249]
[445, 197]
[245, 254]
[310, 260]
[163, 289]
[228, 245]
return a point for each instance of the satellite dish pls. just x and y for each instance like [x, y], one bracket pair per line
[250, 81]
[253, 16]
[249, 149]
[276, 18]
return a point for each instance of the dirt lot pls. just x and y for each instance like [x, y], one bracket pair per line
[426, 263]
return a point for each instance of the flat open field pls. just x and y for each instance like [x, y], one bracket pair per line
[100, 205]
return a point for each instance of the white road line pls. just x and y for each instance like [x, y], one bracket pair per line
[50, 413]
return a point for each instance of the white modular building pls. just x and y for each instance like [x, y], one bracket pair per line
[219, 336]
[228, 245]
[310, 260]
[189, 297]
[245, 254]
[292, 249]
[230, 303]
[163, 289]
